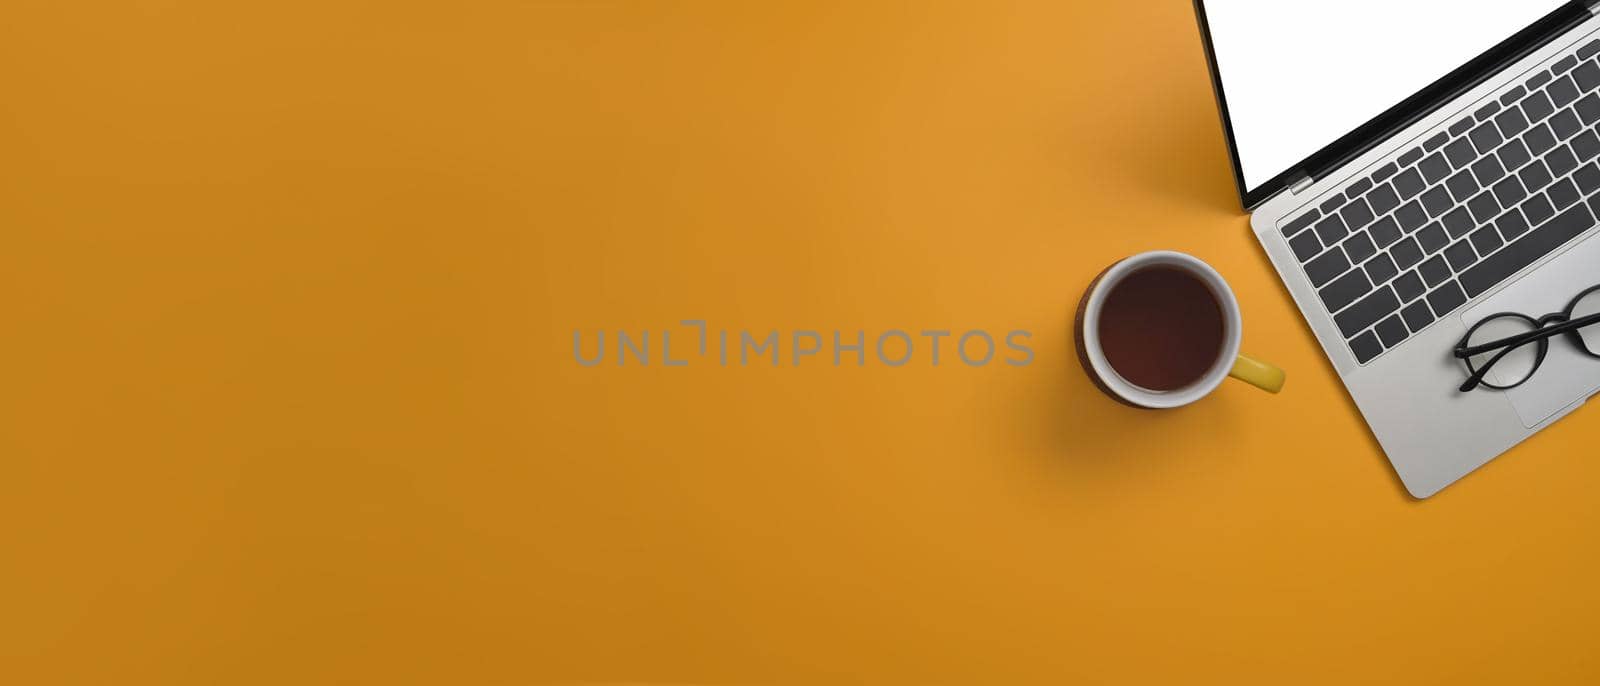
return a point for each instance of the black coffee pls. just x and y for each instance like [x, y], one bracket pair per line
[1161, 328]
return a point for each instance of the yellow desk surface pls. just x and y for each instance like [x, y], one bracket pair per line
[289, 393]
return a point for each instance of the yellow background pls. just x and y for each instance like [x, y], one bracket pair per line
[288, 395]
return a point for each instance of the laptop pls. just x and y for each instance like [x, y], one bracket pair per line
[1425, 177]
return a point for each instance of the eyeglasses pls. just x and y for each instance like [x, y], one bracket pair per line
[1513, 345]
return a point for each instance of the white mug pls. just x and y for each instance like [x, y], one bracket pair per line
[1228, 363]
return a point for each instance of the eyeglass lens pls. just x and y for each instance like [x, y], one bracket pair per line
[1518, 363]
[1588, 304]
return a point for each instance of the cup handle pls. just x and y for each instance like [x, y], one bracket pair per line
[1257, 373]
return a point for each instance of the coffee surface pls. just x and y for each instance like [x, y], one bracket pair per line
[1161, 328]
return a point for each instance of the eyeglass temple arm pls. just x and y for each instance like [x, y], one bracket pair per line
[1519, 339]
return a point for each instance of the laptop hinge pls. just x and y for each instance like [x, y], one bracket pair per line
[1304, 181]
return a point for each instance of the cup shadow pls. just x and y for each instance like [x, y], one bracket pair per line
[1077, 435]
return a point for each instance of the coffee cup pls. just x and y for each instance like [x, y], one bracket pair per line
[1161, 329]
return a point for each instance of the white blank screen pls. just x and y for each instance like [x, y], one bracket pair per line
[1298, 75]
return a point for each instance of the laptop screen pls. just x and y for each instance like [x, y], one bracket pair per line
[1296, 76]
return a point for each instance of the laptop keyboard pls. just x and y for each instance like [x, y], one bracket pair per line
[1445, 221]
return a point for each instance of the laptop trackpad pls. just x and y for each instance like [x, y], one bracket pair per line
[1567, 375]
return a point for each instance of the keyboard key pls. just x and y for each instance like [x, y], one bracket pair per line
[1294, 226]
[1410, 157]
[1460, 255]
[1408, 184]
[1367, 311]
[1382, 199]
[1432, 237]
[1534, 176]
[1539, 139]
[1512, 95]
[1511, 123]
[1483, 207]
[1384, 172]
[1417, 315]
[1380, 269]
[1587, 75]
[1488, 110]
[1485, 240]
[1305, 245]
[1562, 91]
[1437, 201]
[1509, 191]
[1487, 137]
[1589, 49]
[1585, 145]
[1564, 124]
[1460, 152]
[1435, 141]
[1445, 299]
[1539, 79]
[1462, 184]
[1511, 224]
[1410, 216]
[1359, 247]
[1332, 229]
[1461, 127]
[1526, 250]
[1435, 271]
[1408, 286]
[1488, 169]
[1365, 347]
[1458, 222]
[1537, 106]
[1345, 290]
[1326, 266]
[1537, 209]
[1356, 214]
[1355, 190]
[1512, 156]
[1588, 108]
[1406, 253]
[1561, 160]
[1434, 168]
[1588, 178]
[1391, 331]
[1563, 64]
[1384, 232]
[1563, 193]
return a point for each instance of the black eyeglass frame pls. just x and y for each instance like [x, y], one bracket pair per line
[1544, 328]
